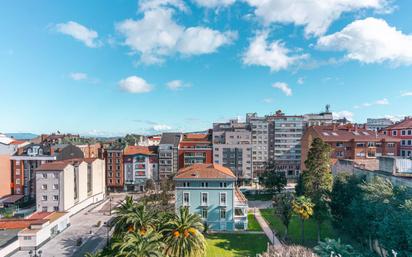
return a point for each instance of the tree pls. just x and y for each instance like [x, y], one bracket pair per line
[334, 248]
[137, 244]
[273, 179]
[303, 207]
[183, 235]
[282, 206]
[299, 186]
[150, 185]
[318, 180]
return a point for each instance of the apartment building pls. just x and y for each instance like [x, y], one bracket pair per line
[403, 131]
[285, 133]
[69, 185]
[232, 148]
[259, 127]
[114, 168]
[140, 164]
[378, 124]
[350, 142]
[210, 191]
[30, 157]
[318, 119]
[168, 154]
[195, 148]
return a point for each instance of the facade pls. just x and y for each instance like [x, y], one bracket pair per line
[30, 157]
[168, 154]
[210, 191]
[350, 142]
[69, 185]
[285, 133]
[232, 148]
[403, 131]
[318, 119]
[114, 168]
[259, 127]
[378, 124]
[90, 150]
[8, 146]
[140, 164]
[195, 148]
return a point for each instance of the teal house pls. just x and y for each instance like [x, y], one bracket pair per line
[210, 191]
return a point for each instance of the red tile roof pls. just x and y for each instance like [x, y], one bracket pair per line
[19, 223]
[130, 150]
[404, 124]
[205, 171]
[347, 133]
[239, 196]
[51, 166]
[17, 142]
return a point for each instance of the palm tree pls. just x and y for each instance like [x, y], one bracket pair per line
[133, 217]
[136, 244]
[303, 207]
[96, 254]
[183, 235]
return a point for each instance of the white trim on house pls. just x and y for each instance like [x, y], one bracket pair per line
[201, 199]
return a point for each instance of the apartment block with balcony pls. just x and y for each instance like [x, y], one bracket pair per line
[378, 124]
[210, 191]
[232, 148]
[259, 127]
[352, 143]
[114, 168]
[285, 133]
[140, 164]
[195, 148]
[403, 131]
[168, 155]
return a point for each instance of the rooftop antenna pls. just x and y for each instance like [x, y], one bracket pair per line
[327, 107]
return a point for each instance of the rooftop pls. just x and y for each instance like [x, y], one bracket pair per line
[131, 150]
[344, 133]
[404, 124]
[205, 171]
[170, 138]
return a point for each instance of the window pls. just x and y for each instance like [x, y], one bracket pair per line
[17, 162]
[203, 197]
[403, 132]
[222, 199]
[44, 197]
[56, 208]
[205, 184]
[55, 197]
[17, 181]
[17, 171]
[204, 213]
[394, 133]
[186, 198]
[55, 186]
[186, 184]
[239, 212]
[27, 237]
[223, 184]
[44, 187]
[44, 175]
[223, 214]
[44, 209]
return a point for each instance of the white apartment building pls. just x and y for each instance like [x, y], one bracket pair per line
[378, 124]
[232, 148]
[259, 127]
[69, 185]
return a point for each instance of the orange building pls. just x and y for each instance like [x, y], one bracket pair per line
[195, 148]
[350, 142]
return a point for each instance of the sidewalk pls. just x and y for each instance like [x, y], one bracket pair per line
[265, 227]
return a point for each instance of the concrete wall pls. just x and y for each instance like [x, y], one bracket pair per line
[53, 178]
[82, 182]
[5, 175]
[68, 187]
[10, 248]
[98, 177]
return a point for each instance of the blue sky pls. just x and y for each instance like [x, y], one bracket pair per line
[115, 67]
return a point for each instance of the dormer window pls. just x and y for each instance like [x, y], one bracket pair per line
[205, 184]
[186, 184]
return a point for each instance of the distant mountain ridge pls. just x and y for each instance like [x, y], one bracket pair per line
[21, 136]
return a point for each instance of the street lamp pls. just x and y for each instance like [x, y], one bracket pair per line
[35, 253]
[107, 232]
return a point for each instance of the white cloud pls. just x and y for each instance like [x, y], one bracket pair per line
[407, 93]
[283, 87]
[134, 84]
[383, 101]
[315, 15]
[157, 35]
[78, 76]
[273, 55]
[79, 32]
[371, 41]
[176, 85]
[161, 127]
[214, 3]
[300, 81]
[268, 100]
[145, 5]
[343, 114]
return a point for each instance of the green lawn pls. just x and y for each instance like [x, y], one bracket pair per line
[294, 228]
[252, 224]
[235, 245]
